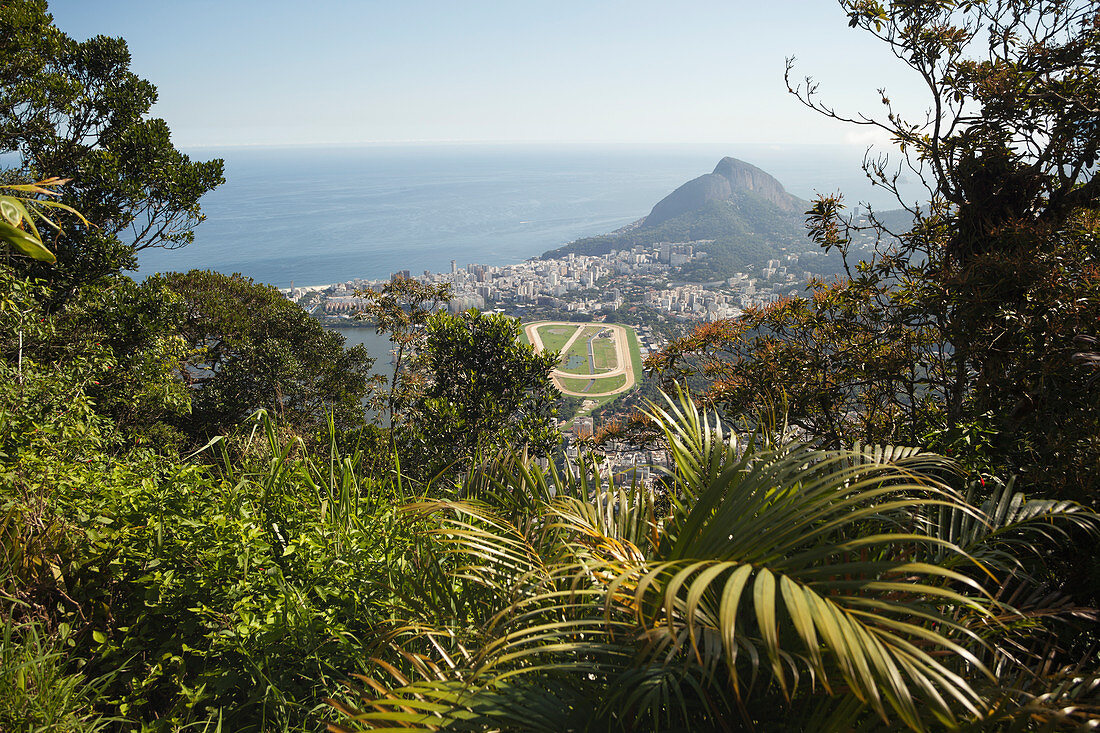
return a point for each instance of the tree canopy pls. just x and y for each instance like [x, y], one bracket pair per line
[74, 109]
[252, 348]
[959, 331]
[485, 389]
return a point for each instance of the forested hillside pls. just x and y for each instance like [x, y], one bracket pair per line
[748, 226]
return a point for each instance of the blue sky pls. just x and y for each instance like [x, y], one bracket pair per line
[242, 72]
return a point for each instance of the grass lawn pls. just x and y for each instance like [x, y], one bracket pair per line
[576, 385]
[608, 384]
[600, 386]
[554, 337]
[603, 352]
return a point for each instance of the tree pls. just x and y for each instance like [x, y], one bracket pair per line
[1013, 88]
[123, 338]
[1001, 260]
[252, 348]
[957, 329]
[400, 309]
[485, 390]
[74, 109]
[825, 363]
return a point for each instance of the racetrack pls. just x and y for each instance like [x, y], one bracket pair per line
[625, 365]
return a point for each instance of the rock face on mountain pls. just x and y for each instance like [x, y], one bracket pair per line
[730, 176]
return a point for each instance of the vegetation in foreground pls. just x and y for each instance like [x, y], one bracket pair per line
[851, 586]
[173, 558]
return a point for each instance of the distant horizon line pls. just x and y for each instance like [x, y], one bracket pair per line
[517, 143]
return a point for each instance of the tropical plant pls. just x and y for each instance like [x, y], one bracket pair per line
[18, 214]
[784, 586]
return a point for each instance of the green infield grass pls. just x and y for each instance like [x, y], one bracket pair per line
[554, 337]
[600, 386]
[604, 354]
[578, 353]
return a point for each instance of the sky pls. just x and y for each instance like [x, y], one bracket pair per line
[274, 72]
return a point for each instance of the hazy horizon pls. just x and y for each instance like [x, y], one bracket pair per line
[323, 214]
[432, 72]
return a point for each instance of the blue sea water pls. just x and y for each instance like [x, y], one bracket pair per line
[320, 215]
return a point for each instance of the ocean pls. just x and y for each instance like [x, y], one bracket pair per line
[313, 216]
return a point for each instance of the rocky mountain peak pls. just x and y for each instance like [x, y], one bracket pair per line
[730, 177]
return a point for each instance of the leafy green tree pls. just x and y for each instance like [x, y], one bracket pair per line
[999, 258]
[252, 348]
[74, 109]
[486, 390]
[401, 309]
[116, 343]
[123, 338]
[115, 340]
[958, 329]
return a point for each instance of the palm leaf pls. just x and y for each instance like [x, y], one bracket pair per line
[778, 569]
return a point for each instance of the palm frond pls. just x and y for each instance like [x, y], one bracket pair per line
[778, 569]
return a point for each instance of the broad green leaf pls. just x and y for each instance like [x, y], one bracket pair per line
[25, 243]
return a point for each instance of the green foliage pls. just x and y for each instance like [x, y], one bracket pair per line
[124, 339]
[979, 363]
[116, 343]
[251, 348]
[763, 583]
[190, 594]
[21, 314]
[486, 390]
[400, 309]
[35, 692]
[74, 109]
[244, 593]
[778, 586]
[824, 359]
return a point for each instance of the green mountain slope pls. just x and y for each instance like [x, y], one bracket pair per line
[730, 179]
[744, 210]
